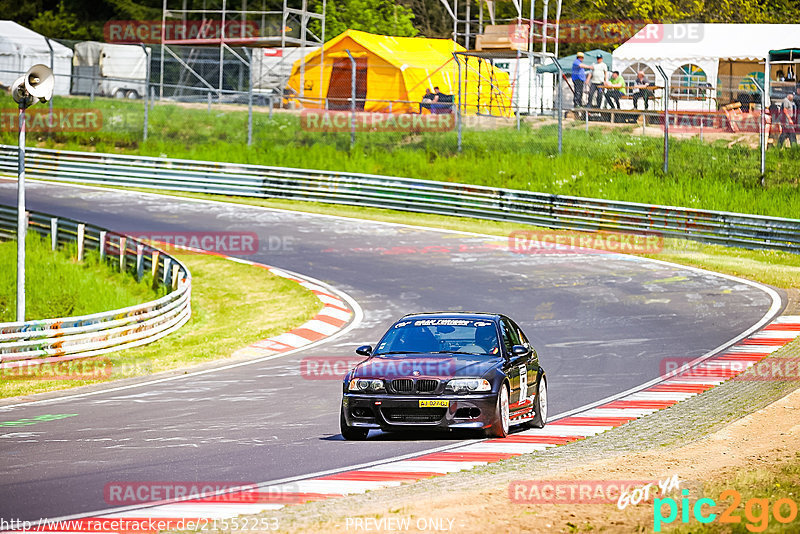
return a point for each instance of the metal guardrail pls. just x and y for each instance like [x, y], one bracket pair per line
[406, 194]
[90, 335]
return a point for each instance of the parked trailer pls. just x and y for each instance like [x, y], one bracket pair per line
[103, 69]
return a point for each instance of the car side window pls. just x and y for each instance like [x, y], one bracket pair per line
[510, 337]
[523, 340]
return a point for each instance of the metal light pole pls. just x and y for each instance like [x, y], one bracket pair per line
[22, 223]
[35, 85]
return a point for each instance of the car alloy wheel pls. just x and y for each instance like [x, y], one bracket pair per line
[540, 405]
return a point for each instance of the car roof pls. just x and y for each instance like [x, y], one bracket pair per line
[455, 315]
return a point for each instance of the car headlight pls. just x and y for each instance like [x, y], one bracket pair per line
[366, 384]
[459, 385]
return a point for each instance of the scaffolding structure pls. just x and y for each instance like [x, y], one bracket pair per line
[208, 45]
[543, 33]
[540, 37]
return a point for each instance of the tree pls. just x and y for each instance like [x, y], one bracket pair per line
[60, 24]
[373, 16]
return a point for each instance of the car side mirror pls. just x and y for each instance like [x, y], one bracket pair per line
[520, 350]
[364, 350]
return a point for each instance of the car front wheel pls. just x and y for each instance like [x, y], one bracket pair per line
[351, 433]
[540, 404]
[499, 428]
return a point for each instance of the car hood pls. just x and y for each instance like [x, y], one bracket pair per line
[440, 366]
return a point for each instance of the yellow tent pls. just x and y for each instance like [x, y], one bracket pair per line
[392, 74]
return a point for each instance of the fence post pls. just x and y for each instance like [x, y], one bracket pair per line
[560, 105]
[81, 233]
[250, 105]
[53, 233]
[458, 107]
[762, 138]
[102, 244]
[123, 246]
[146, 90]
[352, 98]
[50, 103]
[666, 117]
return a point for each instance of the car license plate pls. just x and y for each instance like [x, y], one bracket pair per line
[434, 403]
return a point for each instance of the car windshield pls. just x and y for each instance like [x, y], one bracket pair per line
[415, 336]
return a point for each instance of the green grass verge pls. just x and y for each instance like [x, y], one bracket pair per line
[613, 163]
[265, 305]
[58, 286]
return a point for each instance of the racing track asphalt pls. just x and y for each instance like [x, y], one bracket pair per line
[601, 323]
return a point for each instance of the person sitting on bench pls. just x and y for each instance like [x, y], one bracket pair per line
[616, 88]
[427, 100]
[442, 103]
[642, 86]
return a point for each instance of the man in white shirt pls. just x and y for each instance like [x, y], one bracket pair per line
[788, 125]
[599, 77]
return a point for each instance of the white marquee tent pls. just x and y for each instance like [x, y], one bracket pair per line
[21, 48]
[704, 46]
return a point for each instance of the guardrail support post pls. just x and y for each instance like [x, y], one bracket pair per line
[176, 270]
[154, 267]
[165, 274]
[123, 246]
[53, 233]
[102, 239]
[139, 261]
[81, 233]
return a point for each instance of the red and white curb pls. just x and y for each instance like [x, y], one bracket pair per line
[333, 317]
[680, 385]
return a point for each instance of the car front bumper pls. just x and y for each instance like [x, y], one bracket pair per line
[397, 412]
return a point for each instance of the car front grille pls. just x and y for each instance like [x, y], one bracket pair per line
[407, 385]
[414, 415]
[403, 385]
[426, 385]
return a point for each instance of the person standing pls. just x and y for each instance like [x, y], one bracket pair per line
[579, 79]
[788, 124]
[599, 78]
[643, 91]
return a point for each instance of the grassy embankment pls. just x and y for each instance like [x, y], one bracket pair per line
[266, 305]
[615, 163]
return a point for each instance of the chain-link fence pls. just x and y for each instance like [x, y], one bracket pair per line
[389, 92]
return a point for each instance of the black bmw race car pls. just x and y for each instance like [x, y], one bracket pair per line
[446, 371]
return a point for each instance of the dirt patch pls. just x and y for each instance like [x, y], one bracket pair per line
[757, 441]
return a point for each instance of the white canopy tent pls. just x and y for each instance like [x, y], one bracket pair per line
[697, 49]
[21, 48]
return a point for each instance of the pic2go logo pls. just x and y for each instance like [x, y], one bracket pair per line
[756, 511]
